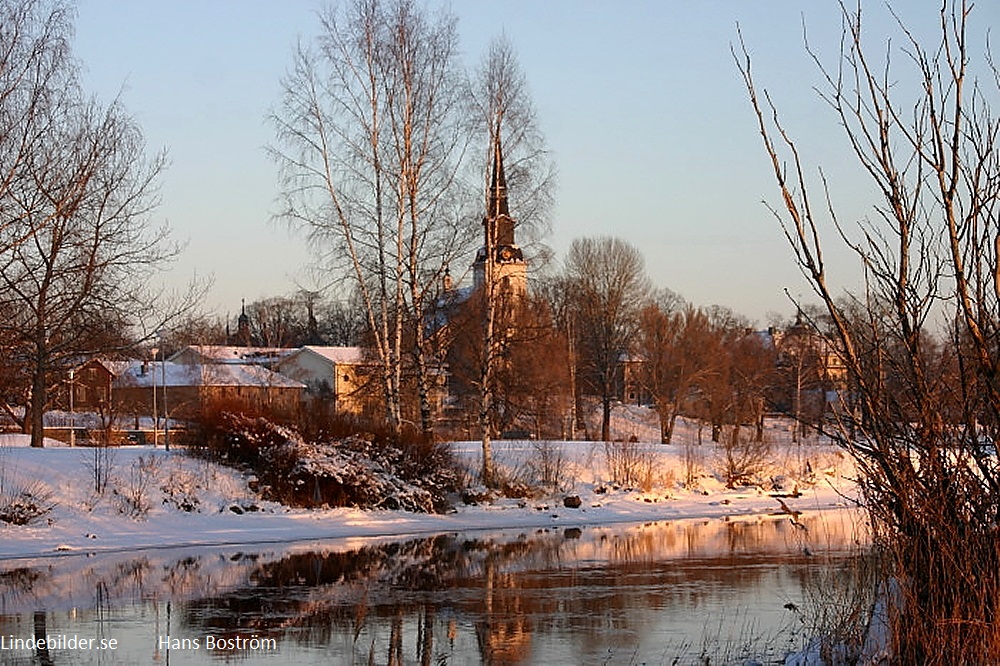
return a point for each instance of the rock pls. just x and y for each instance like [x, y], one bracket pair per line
[474, 496]
[572, 502]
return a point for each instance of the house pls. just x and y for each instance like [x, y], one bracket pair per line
[338, 376]
[92, 384]
[801, 343]
[630, 380]
[183, 389]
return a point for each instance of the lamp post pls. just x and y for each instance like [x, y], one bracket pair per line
[155, 415]
[166, 414]
[72, 423]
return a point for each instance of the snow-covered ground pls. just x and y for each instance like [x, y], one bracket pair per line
[147, 491]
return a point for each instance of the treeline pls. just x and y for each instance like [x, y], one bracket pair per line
[294, 320]
[596, 331]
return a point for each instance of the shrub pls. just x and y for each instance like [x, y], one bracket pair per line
[25, 504]
[352, 472]
[234, 433]
[342, 462]
[549, 464]
[180, 490]
[100, 463]
[744, 459]
[133, 494]
[629, 464]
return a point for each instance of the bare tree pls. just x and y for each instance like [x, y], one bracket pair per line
[34, 68]
[194, 328]
[78, 251]
[681, 353]
[333, 319]
[36, 75]
[609, 283]
[924, 408]
[277, 321]
[533, 382]
[372, 139]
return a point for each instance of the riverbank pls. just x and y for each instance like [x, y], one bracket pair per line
[155, 499]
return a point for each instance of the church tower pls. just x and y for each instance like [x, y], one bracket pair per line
[508, 265]
[243, 326]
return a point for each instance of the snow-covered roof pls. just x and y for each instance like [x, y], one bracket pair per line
[338, 355]
[233, 354]
[446, 305]
[114, 368]
[145, 373]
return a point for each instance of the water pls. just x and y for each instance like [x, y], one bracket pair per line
[628, 594]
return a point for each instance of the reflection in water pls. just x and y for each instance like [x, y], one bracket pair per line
[612, 594]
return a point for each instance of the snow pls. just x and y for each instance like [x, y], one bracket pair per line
[147, 373]
[148, 489]
[209, 354]
[339, 355]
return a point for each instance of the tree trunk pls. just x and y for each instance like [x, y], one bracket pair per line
[487, 471]
[668, 433]
[423, 392]
[486, 387]
[391, 393]
[38, 400]
[606, 419]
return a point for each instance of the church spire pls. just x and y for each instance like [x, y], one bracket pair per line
[499, 248]
[496, 200]
[497, 207]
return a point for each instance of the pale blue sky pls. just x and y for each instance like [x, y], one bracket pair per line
[640, 102]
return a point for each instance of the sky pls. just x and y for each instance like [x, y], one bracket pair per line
[641, 104]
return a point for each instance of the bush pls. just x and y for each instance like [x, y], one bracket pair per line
[743, 459]
[25, 504]
[340, 463]
[235, 433]
[351, 472]
[133, 494]
[549, 464]
[630, 464]
[180, 490]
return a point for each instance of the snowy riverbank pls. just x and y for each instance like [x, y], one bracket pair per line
[805, 478]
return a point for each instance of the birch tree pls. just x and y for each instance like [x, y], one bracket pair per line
[507, 133]
[371, 140]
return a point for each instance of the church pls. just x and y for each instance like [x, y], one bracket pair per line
[506, 266]
[500, 285]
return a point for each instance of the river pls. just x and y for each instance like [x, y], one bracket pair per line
[655, 593]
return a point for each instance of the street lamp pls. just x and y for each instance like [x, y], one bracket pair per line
[166, 414]
[155, 415]
[72, 424]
